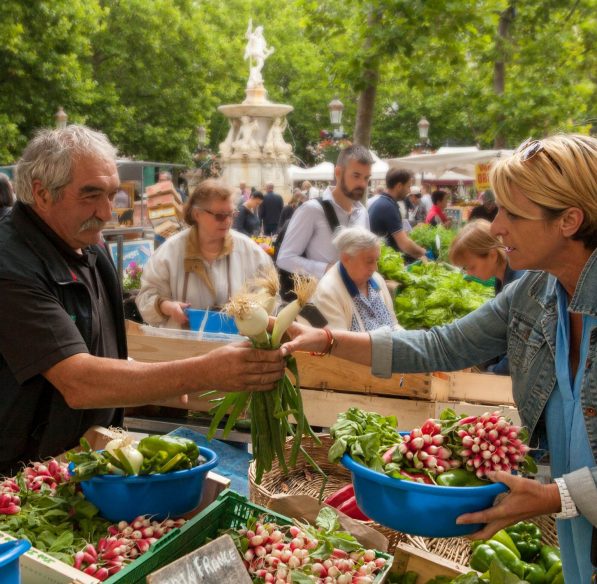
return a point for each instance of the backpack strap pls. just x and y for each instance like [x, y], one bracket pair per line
[330, 214]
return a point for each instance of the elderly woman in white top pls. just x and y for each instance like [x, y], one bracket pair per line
[202, 266]
[352, 295]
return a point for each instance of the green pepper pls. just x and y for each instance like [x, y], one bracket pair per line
[535, 574]
[549, 556]
[504, 538]
[559, 579]
[553, 572]
[527, 538]
[459, 477]
[482, 556]
[507, 557]
[167, 453]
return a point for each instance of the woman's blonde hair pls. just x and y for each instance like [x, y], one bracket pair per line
[555, 173]
[476, 238]
[206, 191]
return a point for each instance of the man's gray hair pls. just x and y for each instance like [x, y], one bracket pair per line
[355, 152]
[49, 158]
[352, 240]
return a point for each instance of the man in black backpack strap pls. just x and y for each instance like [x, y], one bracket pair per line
[307, 247]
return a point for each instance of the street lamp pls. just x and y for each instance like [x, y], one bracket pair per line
[423, 131]
[336, 107]
[61, 118]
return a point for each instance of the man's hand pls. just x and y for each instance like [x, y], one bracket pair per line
[527, 498]
[239, 367]
[175, 310]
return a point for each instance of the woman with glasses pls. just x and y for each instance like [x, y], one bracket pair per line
[203, 265]
[546, 322]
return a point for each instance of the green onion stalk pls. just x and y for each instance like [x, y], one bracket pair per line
[269, 411]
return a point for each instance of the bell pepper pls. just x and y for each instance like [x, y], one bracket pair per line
[350, 508]
[482, 556]
[527, 539]
[419, 477]
[507, 557]
[550, 559]
[534, 574]
[341, 495]
[459, 477]
[167, 453]
[504, 538]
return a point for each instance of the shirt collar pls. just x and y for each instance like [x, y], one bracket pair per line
[350, 285]
[357, 206]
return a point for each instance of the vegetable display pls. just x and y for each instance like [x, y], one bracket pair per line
[269, 411]
[305, 554]
[454, 450]
[427, 236]
[430, 294]
[153, 455]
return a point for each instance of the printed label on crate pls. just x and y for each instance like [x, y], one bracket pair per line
[214, 563]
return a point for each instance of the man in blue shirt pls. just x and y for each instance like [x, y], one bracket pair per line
[384, 215]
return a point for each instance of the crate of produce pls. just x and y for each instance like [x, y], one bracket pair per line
[230, 510]
[303, 480]
[408, 558]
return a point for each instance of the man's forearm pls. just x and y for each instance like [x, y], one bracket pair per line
[86, 381]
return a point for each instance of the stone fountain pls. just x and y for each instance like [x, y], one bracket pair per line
[254, 150]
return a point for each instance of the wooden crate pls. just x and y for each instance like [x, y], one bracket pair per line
[461, 407]
[317, 373]
[473, 387]
[408, 558]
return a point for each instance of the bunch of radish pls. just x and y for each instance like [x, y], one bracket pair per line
[51, 473]
[274, 553]
[490, 442]
[424, 449]
[126, 542]
[10, 504]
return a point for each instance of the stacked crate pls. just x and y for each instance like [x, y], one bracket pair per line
[164, 208]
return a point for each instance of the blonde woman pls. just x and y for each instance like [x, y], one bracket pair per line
[482, 255]
[202, 266]
[546, 322]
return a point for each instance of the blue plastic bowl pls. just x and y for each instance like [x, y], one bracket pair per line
[161, 495]
[417, 508]
[216, 322]
[10, 552]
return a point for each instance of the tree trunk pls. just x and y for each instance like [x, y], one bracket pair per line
[366, 102]
[499, 68]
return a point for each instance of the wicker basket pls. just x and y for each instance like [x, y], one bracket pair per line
[303, 480]
[458, 549]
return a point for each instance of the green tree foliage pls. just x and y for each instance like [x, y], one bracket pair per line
[147, 72]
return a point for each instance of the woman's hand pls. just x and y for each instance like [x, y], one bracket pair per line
[175, 310]
[527, 498]
[305, 338]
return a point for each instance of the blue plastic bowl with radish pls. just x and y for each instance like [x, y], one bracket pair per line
[160, 495]
[417, 508]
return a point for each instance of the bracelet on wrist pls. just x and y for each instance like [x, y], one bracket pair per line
[330, 343]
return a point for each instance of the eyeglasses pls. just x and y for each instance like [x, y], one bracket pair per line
[220, 217]
[530, 148]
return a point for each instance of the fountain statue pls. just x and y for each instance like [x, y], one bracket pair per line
[254, 150]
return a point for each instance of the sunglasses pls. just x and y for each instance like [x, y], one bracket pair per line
[530, 148]
[220, 217]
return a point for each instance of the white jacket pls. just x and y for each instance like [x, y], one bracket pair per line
[335, 303]
[164, 274]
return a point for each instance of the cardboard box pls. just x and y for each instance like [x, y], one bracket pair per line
[163, 188]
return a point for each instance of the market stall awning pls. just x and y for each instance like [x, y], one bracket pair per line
[323, 171]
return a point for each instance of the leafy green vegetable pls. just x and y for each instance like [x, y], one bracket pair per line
[426, 236]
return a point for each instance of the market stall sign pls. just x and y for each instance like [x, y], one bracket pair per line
[213, 563]
[482, 176]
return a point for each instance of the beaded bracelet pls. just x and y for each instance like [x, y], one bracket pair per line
[328, 349]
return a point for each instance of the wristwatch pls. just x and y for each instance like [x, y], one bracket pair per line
[569, 509]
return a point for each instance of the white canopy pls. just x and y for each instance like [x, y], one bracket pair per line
[447, 158]
[323, 171]
[379, 169]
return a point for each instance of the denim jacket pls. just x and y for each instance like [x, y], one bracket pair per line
[521, 321]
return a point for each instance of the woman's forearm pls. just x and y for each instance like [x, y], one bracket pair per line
[354, 347]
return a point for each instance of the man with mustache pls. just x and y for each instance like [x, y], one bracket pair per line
[63, 353]
[307, 247]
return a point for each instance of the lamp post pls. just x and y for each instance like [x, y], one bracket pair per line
[201, 136]
[336, 107]
[61, 118]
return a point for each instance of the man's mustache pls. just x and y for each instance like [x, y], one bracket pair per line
[93, 224]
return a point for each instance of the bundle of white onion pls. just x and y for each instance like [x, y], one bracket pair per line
[269, 411]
